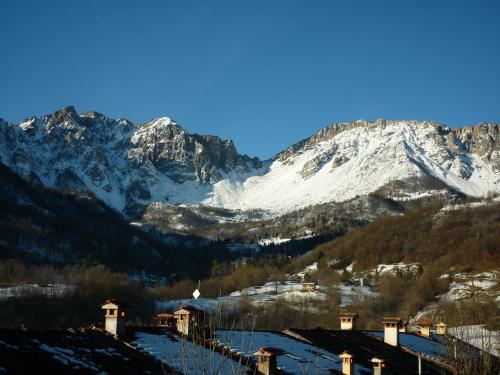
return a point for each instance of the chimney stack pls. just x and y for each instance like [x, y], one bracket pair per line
[348, 320]
[348, 365]
[114, 314]
[441, 328]
[425, 328]
[404, 327]
[266, 360]
[378, 366]
[391, 329]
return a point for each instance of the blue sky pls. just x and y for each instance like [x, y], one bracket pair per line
[264, 73]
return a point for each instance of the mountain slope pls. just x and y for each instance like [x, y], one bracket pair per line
[463, 236]
[47, 226]
[129, 166]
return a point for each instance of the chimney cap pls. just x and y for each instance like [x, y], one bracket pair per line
[425, 323]
[344, 354]
[188, 308]
[348, 314]
[117, 302]
[268, 351]
[392, 319]
[377, 360]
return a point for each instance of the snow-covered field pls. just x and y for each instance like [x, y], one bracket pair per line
[479, 336]
[403, 196]
[289, 291]
[353, 293]
[464, 285]
[397, 268]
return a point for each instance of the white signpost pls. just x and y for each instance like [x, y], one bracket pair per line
[197, 293]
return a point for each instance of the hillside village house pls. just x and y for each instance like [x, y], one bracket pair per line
[164, 320]
[308, 286]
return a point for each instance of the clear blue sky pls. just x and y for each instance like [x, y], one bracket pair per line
[265, 73]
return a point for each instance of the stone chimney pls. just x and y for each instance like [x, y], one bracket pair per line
[190, 321]
[391, 329]
[348, 365]
[441, 328]
[348, 320]
[266, 360]
[114, 314]
[378, 366]
[425, 328]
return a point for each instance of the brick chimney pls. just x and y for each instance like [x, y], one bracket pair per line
[378, 366]
[266, 360]
[348, 320]
[391, 329]
[348, 365]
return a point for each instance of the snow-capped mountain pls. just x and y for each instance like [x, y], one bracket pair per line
[130, 166]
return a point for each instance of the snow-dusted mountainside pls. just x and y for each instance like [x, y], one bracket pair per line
[130, 166]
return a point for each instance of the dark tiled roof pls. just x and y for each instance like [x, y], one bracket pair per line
[364, 347]
[81, 351]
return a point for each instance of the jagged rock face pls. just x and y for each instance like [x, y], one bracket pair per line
[183, 156]
[118, 160]
[129, 165]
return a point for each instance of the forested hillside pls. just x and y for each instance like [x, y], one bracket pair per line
[42, 225]
[463, 236]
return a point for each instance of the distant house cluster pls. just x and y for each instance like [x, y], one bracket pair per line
[185, 341]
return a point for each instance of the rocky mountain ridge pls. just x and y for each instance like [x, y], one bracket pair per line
[130, 166]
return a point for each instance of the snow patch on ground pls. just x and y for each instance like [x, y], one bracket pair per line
[464, 285]
[397, 268]
[479, 337]
[404, 196]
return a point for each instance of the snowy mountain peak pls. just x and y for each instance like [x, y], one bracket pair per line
[130, 165]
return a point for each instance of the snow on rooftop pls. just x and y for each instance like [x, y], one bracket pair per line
[433, 349]
[186, 356]
[299, 357]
